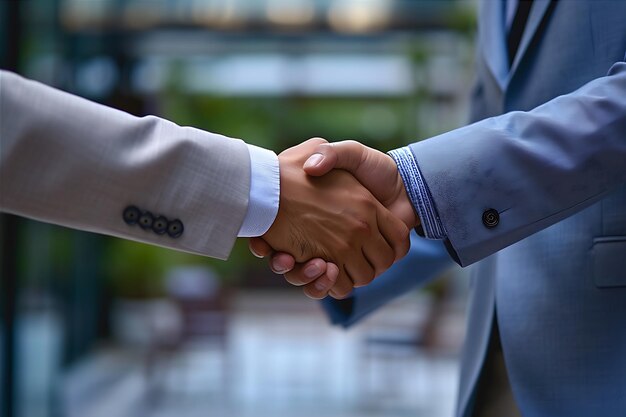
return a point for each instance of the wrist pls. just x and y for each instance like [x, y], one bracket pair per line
[404, 207]
[418, 193]
[264, 192]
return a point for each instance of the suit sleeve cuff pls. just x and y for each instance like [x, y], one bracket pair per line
[418, 193]
[264, 192]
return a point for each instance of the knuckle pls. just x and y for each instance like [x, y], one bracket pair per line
[364, 198]
[361, 228]
[357, 224]
[369, 203]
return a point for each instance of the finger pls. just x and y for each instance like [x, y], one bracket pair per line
[343, 286]
[259, 247]
[305, 273]
[319, 288]
[281, 263]
[346, 155]
[395, 232]
[315, 141]
[340, 292]
[305, 148]
[360, 270]
[375, 170]
[379, 254]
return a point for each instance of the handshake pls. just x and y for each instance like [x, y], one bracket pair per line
[343, 219]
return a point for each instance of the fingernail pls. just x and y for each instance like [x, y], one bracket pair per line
[255, 254]
[312, 271]
[279, 269]
[320, 285]
[314, 160]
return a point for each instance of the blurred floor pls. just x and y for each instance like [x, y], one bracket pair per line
[281, 358]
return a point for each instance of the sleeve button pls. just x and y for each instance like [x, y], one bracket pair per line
[175, 229]
[146, 220]
[491, 218]
[131, 215]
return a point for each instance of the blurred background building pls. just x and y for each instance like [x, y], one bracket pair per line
[95, 326]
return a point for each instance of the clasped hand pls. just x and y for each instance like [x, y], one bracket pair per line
[337, 229]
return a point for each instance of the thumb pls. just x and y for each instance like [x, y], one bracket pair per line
[347, 155]
[375, 170]
[259, 247]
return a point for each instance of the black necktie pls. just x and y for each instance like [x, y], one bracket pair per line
[517, 28]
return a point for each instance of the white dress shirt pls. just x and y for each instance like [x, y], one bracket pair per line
[264, 192]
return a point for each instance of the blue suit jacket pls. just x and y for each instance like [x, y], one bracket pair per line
[553, 165]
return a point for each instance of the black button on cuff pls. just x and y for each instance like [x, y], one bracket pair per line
[491, 218]
[146, 220]
[175, 228]
[160, 225]
[131, 215]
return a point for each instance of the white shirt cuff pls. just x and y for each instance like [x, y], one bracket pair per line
[264, 192]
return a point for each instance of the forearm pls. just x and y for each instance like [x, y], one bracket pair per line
[72, 162]
[532, 169]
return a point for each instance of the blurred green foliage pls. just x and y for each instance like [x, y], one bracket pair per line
[274, 122]
[137, 270]
[278, 123]
[462, 19]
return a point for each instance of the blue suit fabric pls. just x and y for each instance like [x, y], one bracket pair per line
[547, 150]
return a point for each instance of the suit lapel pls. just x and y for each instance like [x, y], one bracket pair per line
[492, 37]
[537, 13]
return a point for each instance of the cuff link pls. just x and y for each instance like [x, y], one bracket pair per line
[160, 225]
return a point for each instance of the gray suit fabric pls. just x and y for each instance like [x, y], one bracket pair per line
[72, 162]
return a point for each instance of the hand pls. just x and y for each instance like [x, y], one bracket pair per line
[316, 277]
[377, 172]
[335, 218]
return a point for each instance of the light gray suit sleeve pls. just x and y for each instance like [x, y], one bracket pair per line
[534, 168]
[69, 161]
